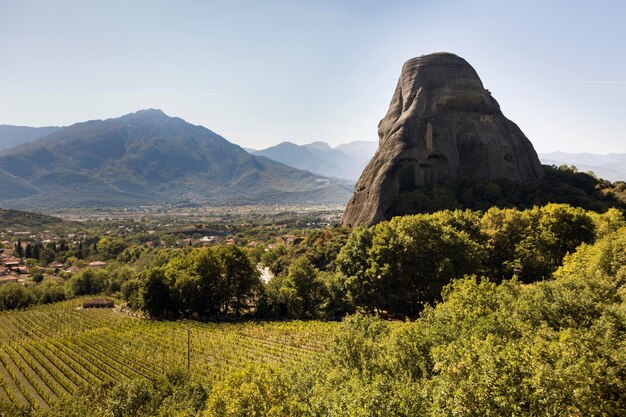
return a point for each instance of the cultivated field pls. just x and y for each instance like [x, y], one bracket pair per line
[51, 351]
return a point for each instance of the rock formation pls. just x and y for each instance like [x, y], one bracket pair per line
[441, 123]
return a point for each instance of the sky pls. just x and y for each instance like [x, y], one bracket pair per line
[262, 72]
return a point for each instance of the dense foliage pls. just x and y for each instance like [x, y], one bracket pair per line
[16, 296]
[394, 268]
[550, 348]
[199, 283]
[397, 266]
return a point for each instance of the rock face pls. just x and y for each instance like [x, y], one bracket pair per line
[441, 123]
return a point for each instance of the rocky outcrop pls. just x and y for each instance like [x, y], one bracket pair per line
[441, 123]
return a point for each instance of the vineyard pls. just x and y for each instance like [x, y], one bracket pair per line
[52, 351]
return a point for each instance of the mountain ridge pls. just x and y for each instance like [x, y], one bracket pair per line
[343, 161]
[11, 135]
[145, 157]
[611, 166]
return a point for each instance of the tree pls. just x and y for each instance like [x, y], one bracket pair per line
[131, 292]
[352, 265]
[337, 303]
[110, 248]
[47, 254]
[503, 230]
[87, 281]
[302, 291]
[197, 283]
[14, 296]
[535, 241]
[37, 250]
[606, 223]
[156, 299]
[398, 265]
[28, 253]
[252, 391]
[552, 231]
[605, 260]
[19, 249]
[211, 286]
[37, 277]
[201, 286]
[241, 279]
[186, 294]
[276, 258]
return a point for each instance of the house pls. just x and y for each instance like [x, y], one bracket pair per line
[291, 239]
[12, 259]
[9, 280]
[99, 303]
[97, 264]
[55, 265]
[12, 264]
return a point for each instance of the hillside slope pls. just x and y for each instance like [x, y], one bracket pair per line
[16, 219]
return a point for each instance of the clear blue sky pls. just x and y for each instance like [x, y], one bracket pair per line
[260, 72]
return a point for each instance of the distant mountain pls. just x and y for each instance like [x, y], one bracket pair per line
[611, 166]
[148, 157]
[360, 150]
[16, 135]
[344, 161]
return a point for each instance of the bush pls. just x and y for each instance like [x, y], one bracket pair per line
[398, 265]
[87, 281]
[37, 277]
[14, 296]
[301, 293]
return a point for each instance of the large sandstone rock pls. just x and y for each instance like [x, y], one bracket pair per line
[441, 123]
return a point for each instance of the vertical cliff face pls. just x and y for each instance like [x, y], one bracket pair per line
[441, 123]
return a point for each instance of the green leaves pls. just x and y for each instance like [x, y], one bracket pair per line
[205, 282]
[398, 265]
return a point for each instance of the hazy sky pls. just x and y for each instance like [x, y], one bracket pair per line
[260, 72]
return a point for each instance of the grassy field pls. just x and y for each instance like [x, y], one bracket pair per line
[51, 351]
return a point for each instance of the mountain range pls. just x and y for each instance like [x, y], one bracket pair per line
[148, 157]
[344, 161]
[611, 166]
[348, 160]
[11, 136]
